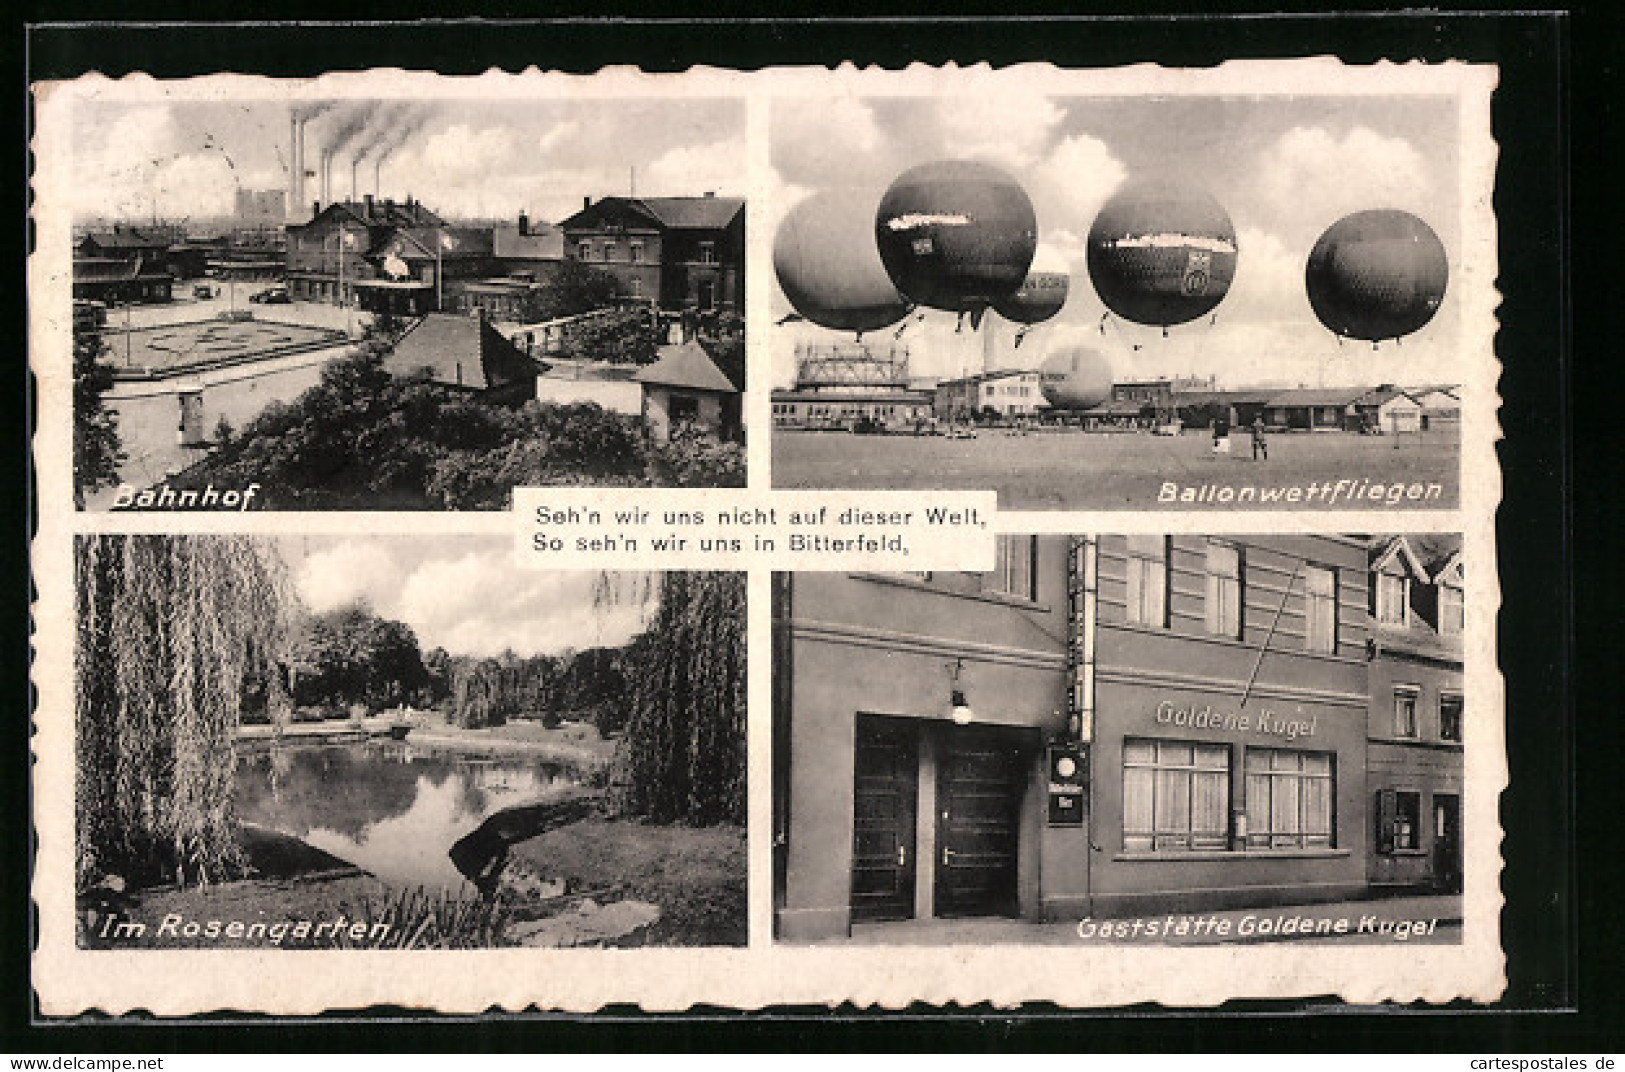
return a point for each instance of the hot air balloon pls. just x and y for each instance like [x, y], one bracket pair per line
[1075, 378]
[1041, 295]
[956, 235]
[824, 255]
[1162, 254]
[1377, 275]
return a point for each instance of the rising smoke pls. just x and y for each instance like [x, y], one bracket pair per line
[364, 130]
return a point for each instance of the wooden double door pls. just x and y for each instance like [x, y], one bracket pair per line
[981, 773]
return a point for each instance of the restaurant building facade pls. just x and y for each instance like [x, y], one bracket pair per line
[1101, 726]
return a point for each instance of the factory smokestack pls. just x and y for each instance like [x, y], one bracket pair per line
[327, 176]
[296, 196]
[354, 163]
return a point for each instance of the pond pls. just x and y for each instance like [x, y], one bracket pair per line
[387, 807]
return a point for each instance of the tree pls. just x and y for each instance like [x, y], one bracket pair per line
[352, 656]
[477, 699]
[97, 450]
[575, 288]
[623, 337]
[682, 755]
[173, 632]
[364, 438]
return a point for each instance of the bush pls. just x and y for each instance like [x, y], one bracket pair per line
[694, 459]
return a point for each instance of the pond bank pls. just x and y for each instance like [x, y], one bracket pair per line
[574, 743]
[696, 876]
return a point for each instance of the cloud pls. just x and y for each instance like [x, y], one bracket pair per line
[818, 141]
[1312, 177]
[687, 170]
[1008, 132]
[348, 571]
[557, 135]
[469, 600]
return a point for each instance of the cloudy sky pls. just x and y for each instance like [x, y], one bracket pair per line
[465, 594]
[1284, 168]
[461, 158]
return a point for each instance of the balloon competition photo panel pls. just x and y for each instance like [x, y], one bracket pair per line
[1144, 301]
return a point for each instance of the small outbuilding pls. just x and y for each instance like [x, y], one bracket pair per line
[467, 354]
[685, 386]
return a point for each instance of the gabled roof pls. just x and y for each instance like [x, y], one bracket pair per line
[418, 243]
[1318, 396]
[1397, 548]
[384, 212]
[686, 365]
[1221, 398]
[1443, 568]
[695, 213]
[459, 351]
[670, 213]
[1382, 396]
[128, 238]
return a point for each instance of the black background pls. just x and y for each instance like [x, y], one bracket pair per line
[1561, 926]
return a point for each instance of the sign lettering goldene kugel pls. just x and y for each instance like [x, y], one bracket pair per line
[1204, 717]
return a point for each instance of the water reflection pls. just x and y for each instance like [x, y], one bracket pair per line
[385, 806]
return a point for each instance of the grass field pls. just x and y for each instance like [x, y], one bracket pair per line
[1073, 470]
[198, 343]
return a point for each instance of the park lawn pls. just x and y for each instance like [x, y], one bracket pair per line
[695, 874]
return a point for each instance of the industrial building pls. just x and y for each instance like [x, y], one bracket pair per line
[1101, 726]
[841, 386]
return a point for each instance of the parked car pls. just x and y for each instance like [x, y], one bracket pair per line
[271, 296]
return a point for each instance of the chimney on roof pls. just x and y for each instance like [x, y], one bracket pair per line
[369, 206]
[586, 202]
[315, 208]
[524, 224]
[710, 193]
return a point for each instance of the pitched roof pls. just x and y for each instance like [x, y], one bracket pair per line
[712, 213]
[458, 351]
[384, 212]
[1386, 549]
[674, 213]
[1318, 396]
[1382, 396]
[128, 238]
[686, 365]
[454, 241]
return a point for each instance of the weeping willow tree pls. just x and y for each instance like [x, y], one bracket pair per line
[681, 757]
[174, 633]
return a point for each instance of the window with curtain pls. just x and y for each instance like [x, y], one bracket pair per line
[1405, 700]
[1450, 709]
[1014, 570]
[1393, 599]
[1224, 591]
[1406, 821]
[1176, 796]
[1289, 799]
[1320, 609]
[1452, 611]
[1148, 580]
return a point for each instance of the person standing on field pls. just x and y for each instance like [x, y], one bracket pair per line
[1260, 447]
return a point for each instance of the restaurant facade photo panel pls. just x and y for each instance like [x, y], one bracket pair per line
[1139, 737]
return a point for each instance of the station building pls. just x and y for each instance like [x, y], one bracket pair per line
[1101, 726]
